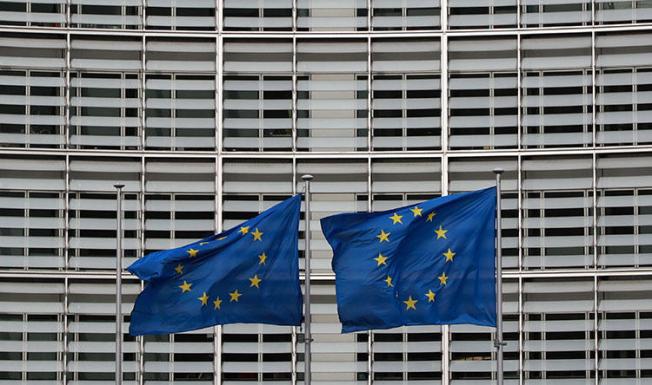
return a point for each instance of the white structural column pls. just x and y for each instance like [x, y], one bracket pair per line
[217, 330]
[370, 333]
[443, 97]
[118, 287]
[219, 167]
[594, 199]
[141, 252]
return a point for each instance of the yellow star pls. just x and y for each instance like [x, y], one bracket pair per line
[383, 236]
[262, 258]
[203, 299]
[179, 269]
[185, 287]
[410, 303]
[203, 243]
[443, 278]
[235, 295]
[381, 259]
[388, 281]
[396, 218]
[441, 233]
[416, 210]
[258, 235]
[449, 255]
[217, 303]
[431, 296]
[192, 252]
[430, 216]
[255, 281]
[244, 230]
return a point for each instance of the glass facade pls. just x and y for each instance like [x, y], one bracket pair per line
[210, 111]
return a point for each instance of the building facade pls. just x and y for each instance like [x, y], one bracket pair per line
[210, 111]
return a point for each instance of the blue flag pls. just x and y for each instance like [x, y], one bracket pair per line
[429, 263]
[248, 274]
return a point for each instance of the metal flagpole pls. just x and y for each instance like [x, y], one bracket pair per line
[498, 343]
[306, 299]
[118, 289]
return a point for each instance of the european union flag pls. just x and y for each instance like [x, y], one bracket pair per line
[247, 274]
[429, 263]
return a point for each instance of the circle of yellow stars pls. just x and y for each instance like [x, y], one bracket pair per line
[234, 296]
[440, 232]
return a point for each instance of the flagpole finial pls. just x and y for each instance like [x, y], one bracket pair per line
[498, 170]
[307, 177]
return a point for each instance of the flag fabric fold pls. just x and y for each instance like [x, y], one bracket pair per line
[428, 263]
[247, 274]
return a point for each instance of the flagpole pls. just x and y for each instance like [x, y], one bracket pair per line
[306, 299]
[118, 288]
[498, 343]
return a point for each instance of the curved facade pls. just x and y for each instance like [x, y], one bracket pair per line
[210, 111]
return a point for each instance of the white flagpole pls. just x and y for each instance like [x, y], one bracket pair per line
[498, 343]
[118, 288]
[306, 298]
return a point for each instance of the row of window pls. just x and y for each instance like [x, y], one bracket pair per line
[568, 329]
[109, 53]
[174, 111]
[105, 100]
[171, 202]
[319, 15]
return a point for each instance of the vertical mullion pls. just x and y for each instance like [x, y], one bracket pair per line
[173, 108]
[596, 348]
[519, 197]
[123, 125]
[370, 333]
[219, 22]
[66, 252]
[369, 10]
[66, 127]
[518, 14]
[593, 91]
[219, 94]
[143, 97]
[444, 95]
[64, 354]
[594, 156]
[369, 109]
[594, 201]
[140, 340]
[217, 330]
[66, 215]
[294, 15]
[294, 103]
[519, 94]
[219, 68]
[144, 15]
[596, 358]
[521, 331]
[445, 329]
[633, 90]
[492, 109]
[67, 21]
[519, 204]
[443, 15]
